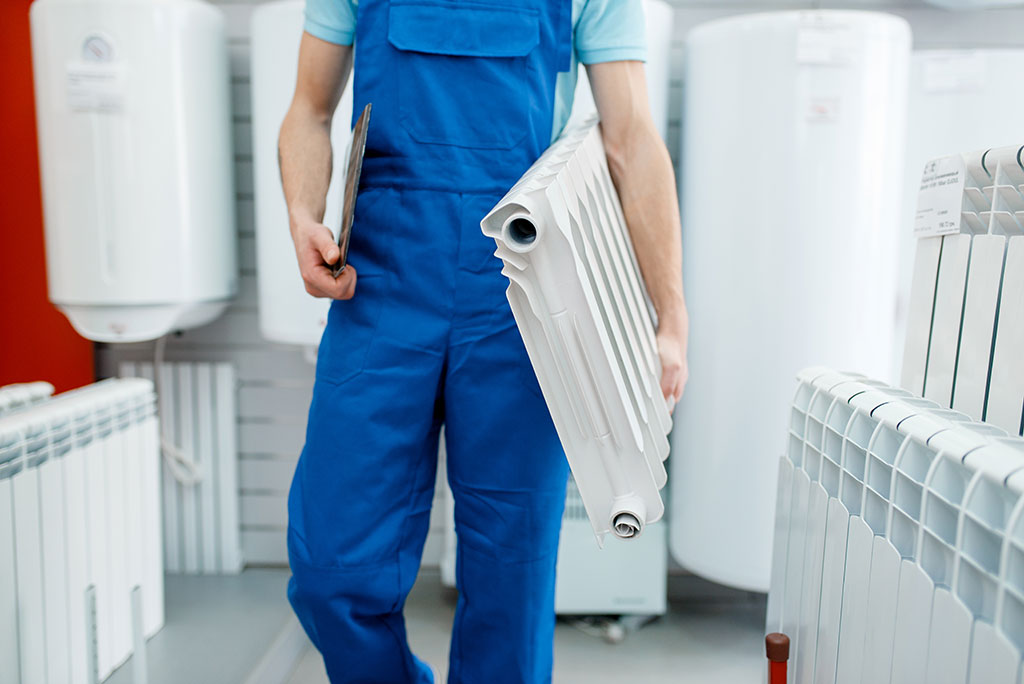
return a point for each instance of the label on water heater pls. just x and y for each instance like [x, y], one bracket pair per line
[95, 87]
[824, 40]
[941, 197]
[954, 71]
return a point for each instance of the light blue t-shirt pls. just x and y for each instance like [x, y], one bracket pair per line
[602, 31]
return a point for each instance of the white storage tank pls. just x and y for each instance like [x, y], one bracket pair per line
[794, 127]
[288, 313]
[133, 107]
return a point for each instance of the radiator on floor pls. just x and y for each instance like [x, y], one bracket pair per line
[79, 533]
[965, 328]
[199, 414]
[581, 306]
[899, 540]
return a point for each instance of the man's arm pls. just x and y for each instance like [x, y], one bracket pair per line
[304, 150]
[642, 172]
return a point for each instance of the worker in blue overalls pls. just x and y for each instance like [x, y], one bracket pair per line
[466, 95]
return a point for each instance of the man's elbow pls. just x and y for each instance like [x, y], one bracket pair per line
[627, 138]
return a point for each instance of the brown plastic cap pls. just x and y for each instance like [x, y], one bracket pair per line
[777, 647]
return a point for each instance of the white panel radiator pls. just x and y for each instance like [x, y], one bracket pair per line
[965, 328]
[81, 578]
[199, 414]
[899, 542]
[582, 309]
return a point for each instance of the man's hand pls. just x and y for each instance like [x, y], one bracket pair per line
[316, 251]
[672, 340]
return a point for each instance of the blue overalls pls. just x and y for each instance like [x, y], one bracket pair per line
[462, 95]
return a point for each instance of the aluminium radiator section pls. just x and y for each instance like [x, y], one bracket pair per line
[80, 534]
[15, 397]
[965, 325]
[582, 309]
[899, 539]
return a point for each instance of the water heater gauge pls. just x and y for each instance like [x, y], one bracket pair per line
[97, 49]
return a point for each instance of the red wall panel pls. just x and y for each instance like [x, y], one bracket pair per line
[36, 341]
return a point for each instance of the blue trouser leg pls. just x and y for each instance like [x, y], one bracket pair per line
[508, 474]
[359, 508]
[364, 515]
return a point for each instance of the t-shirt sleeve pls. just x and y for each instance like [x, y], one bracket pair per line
[611, 31]
[331, 20]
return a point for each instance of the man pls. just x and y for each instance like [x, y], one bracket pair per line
[466, 95]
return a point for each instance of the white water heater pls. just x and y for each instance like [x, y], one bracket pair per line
[134, 117]
[794, 127]
[288, 313]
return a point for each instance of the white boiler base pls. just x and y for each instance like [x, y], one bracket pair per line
[139, 323]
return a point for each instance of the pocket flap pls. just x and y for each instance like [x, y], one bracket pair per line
[464, 30]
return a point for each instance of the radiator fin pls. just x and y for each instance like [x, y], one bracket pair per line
[201, 520]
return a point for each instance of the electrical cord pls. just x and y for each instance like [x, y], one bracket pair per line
[182, 466]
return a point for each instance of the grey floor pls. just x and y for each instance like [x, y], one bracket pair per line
[706, 637]
[217, 628]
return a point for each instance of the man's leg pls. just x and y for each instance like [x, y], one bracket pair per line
[359, 508]
[508, 474]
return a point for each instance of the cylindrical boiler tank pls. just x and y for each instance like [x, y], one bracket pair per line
[133, 108]
[288, 313]
[794, 126]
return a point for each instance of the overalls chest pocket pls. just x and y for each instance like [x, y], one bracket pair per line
[464, 75]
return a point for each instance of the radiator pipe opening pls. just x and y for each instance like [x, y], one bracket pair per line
[626, 526]
[628, 515]
[520, 233]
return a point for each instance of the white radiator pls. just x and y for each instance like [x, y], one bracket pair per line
[15, 397]
[581, 306]
[79, 533]
[899, 540]
[965, 329]
[199, 416]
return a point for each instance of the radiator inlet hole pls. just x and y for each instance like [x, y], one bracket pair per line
[522, 231]
[626, 526]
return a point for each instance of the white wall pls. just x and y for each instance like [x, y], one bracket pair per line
[275, 381]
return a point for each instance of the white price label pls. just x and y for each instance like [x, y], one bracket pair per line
[941, 197]
[954, 72]
[95, 87]
[824, 41]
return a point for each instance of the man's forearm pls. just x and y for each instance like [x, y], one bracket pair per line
[642, 173]
[304, 150]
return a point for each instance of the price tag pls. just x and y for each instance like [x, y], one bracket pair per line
[954, 72]
[824, 41]
[95, 87]
[941, 197]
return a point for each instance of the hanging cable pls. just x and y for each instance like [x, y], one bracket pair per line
[182, 466]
